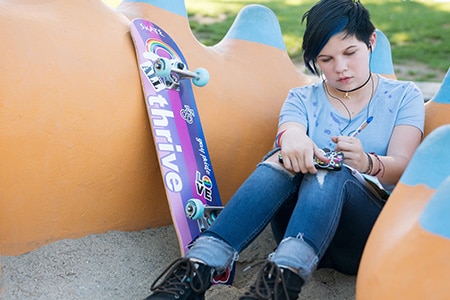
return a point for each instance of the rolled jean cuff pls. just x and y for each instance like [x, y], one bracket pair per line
[295, 253]
[213, 252]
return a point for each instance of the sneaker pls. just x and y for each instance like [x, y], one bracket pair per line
[184, 279]
[274, 283]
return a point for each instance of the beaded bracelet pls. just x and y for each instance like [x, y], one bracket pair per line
[380, 165]
[278, 138]
[370, 166]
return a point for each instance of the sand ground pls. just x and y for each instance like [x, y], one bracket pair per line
[122, 265]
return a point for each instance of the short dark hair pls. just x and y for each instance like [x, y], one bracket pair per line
[329, 17]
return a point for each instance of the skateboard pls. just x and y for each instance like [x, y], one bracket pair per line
[183, 156]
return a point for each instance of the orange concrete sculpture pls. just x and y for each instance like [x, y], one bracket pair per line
[406, 256]
[76, 151]
[437, 109]
[76, 154]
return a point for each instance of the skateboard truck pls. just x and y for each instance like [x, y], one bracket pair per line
[204, 214]
[173, 70]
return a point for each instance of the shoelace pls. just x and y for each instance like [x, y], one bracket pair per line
[179, 275]
[267, 282]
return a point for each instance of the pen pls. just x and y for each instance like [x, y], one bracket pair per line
[362, 126]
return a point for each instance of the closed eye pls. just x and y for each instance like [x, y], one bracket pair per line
[325, 59]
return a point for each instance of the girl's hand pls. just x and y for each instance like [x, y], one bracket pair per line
[354, 154]
[298, 151]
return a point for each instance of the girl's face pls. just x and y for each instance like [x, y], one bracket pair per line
[345, 61]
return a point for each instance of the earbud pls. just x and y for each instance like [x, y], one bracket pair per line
[370, 46]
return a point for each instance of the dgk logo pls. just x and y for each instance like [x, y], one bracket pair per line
[204, 186]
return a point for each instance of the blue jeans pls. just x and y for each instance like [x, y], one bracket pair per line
[320, 220]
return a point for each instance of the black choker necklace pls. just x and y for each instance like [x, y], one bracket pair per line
[346, 95]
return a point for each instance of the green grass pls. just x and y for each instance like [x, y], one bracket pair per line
[419, 31]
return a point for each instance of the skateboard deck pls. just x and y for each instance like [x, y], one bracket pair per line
[183, 156]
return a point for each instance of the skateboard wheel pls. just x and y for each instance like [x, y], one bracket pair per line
[194, 209]
[202, 77]
[162, 67]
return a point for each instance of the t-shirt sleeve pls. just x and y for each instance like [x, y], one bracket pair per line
[412, 110]
[294, 109]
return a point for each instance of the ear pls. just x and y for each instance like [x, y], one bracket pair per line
[372, 41]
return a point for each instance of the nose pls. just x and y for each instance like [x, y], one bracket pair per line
[341, 65]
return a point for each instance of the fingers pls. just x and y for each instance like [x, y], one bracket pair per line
[301, 162]
[347, 143]
[352, 149]
[319, 154]
[306, 164]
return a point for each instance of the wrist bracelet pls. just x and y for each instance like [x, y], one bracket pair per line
[278, 138]
[370, 166]
[380, 165]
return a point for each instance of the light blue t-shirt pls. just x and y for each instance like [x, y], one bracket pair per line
[394, 103]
